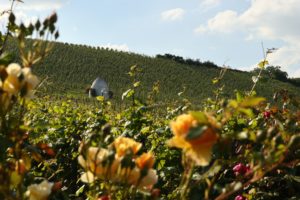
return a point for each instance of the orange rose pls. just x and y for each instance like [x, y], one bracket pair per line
[123, 145]
[197, 146]
[146, 160]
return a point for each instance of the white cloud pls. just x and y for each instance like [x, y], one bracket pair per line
[36, 5]
[223, 22]
[264, 20]
[118, 47]
[173, 14]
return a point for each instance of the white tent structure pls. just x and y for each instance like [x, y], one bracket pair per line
[99, 88]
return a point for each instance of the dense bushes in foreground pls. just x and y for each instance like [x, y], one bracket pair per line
[239, 148]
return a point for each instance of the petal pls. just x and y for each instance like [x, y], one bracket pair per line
[81, 161]
[87, 177]
[13, 69]
[11, 84]
[32, 80]
[178, 142]
[134, 176]
[209, 137]
[201, 155]
[149, 180]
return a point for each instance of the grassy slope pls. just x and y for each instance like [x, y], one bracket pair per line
[72, 68]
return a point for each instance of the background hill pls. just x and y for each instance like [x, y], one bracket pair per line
[70, 69]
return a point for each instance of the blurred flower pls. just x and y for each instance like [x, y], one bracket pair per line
[19, 79]
[14, 69]
[149, 180]
[104, 197]
[57, 186]
[22, 166]
[267, 114]
[145, 161]
[119, 165]
[133, 177]
[98, 163]
[12, 84]
[155, 193]
[31, 79]
[39, 191]
[125, 145]
[240, 197]
[197, 146]
[240, 169]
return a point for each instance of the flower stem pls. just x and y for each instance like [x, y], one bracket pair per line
[188, 171]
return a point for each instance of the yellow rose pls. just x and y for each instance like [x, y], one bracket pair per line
[12, 84]
[96, 164]
[30, 79]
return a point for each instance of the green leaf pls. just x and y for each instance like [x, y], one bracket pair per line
[196, 132]
[15, 178]
[200, 117]
[180, 93]
[296, 178]
[133, 67]
[233, 104]
[215, 80]
[127, 94]
[294, 141]
[253, 123]
[137, 84]
[239, 96]
[262, 64]
[215, 169]
[246, 111]
[6, 59]
[12, 18]
[145, 129]
[80, 191]
[252, 101]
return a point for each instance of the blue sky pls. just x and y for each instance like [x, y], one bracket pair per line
[229, 31]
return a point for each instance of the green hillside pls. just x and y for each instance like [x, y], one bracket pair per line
[70, 69]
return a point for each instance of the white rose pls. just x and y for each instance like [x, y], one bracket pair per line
[39, 191]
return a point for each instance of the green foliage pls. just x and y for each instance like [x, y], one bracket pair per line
[272, 72]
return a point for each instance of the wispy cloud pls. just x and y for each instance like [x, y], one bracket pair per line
[173, 14]
[264, 20]
[210, 3]
[27, 12]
